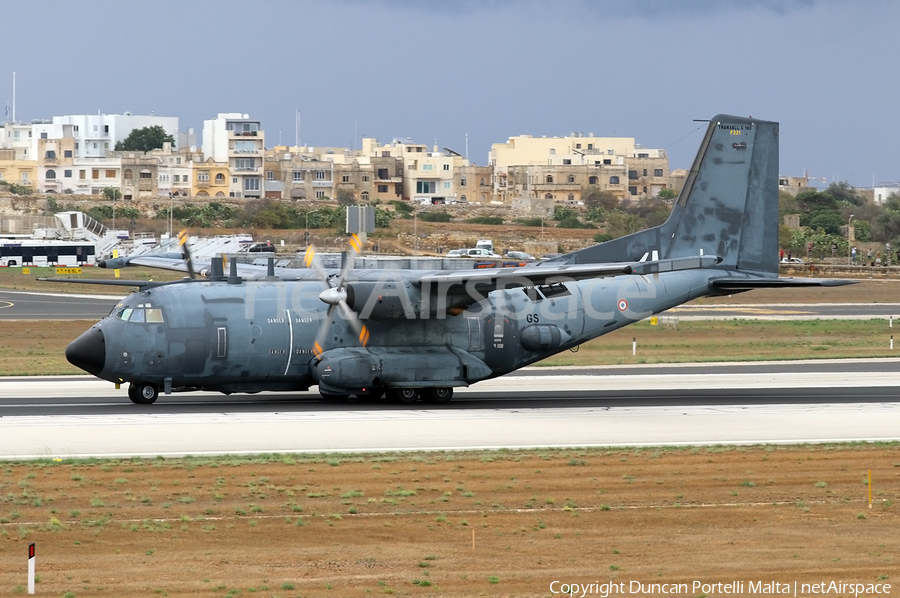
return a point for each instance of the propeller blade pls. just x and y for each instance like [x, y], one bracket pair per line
[186, 252]
[335, 295]
[362, 332]
[357, 242]
[310, 260]
[321, 337]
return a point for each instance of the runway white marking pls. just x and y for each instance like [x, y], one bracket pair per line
[574, 382]
[150, 434]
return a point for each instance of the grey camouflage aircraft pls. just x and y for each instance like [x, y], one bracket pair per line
[417, 335]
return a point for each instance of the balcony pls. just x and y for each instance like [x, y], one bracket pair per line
[321, 183]
[246, 169]
[202, 184]
[244, 133]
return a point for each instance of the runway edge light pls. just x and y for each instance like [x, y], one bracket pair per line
[31, 568]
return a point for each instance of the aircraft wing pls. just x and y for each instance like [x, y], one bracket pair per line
[166, 261]
[746, 284]
[459, 281]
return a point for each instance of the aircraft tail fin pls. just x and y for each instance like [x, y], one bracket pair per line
[728, 206]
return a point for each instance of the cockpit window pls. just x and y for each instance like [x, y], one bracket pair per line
[142, 312]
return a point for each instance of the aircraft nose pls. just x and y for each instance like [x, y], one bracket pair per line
[88, 351]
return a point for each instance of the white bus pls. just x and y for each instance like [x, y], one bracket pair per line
[37, 253]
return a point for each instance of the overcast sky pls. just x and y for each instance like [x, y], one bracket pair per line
[439, 70]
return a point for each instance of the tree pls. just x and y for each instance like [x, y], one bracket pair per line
[346, 197]
[843, 191]
[667, 193]
[112, 193]
[827, 221]
[145, 139]
[595, 197]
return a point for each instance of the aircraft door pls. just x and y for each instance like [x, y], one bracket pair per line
[498, 333]
[476, 339]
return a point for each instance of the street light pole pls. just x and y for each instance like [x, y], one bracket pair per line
[850, 240]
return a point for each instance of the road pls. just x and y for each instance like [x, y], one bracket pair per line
[662, 405]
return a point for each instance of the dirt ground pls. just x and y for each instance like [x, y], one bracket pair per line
[505, 523]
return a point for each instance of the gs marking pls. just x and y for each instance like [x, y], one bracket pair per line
[532, 318]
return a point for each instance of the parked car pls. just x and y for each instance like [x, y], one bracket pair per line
[519, 255]
[264, 247]
[792, 260]
[479, 253]
[455, 253]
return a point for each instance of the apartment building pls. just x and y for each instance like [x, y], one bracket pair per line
[56, 165]
[96, 134]
[558, 168]
[238, 141]
[210, 178]
[473, 183]
[428, 177]
[17, 137]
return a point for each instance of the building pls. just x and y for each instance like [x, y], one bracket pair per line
[884, 189]
[427, 177]
[558, 168]
[236, 140]
[794, 184]
[210, 178]
[96, 134]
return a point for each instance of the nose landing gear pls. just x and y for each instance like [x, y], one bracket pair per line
[143, 394]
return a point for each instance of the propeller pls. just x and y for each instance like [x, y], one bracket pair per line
[186, 252]
[335, 294]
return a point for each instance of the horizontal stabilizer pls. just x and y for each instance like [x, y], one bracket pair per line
[746, 284]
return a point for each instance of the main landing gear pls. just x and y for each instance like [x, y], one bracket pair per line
[405, 396]
[143, 394]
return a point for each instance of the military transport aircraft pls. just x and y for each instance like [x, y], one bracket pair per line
[414, 334]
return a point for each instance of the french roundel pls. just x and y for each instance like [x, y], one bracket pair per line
[623, 305]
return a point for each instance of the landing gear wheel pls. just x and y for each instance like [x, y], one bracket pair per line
[403, 395]
[143, 394]
[440, 394]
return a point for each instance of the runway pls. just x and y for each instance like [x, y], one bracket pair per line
[22, 305]
[645, 405]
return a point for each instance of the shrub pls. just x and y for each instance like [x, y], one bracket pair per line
[494, 220]
[435, 217]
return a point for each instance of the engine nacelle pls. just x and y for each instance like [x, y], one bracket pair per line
[384, 299]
